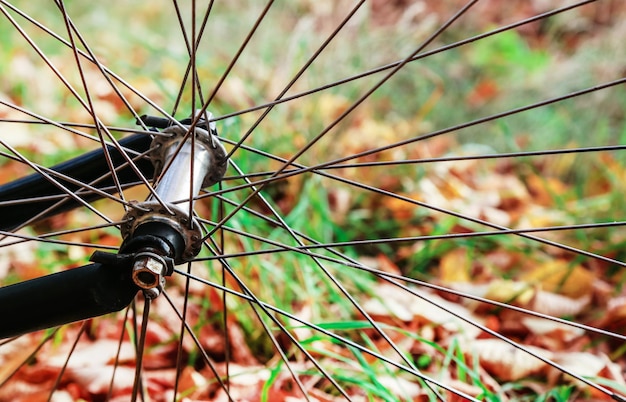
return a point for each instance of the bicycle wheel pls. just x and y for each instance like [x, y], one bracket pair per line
[411, 200]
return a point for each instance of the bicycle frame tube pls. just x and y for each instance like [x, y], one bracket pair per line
[64, 297]
[86, 168]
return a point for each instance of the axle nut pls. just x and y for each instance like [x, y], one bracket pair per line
[148, 270]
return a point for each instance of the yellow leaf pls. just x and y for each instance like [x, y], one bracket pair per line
[505, 291]
[563, 277]
[455, 266]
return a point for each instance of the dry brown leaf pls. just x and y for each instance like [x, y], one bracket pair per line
[615, 317]
[558, 305]
[580, 363]
[96, 380]
[551, 329]
[13, 354]
[430, 308]
[98, 353]
[506, 361]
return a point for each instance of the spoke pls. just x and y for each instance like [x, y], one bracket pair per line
[189, 51]
[205, 106]
[509, 341]
[57, 382]
[336, 283]
[44, 239]
[93, 59]
[183, 31]
[278, 348]
[54, 181]
[62, 199]
[281, 175]
[25, 238]
[45, 59]
[275, 343]
[117, 353]
[49, 335]
[347, 262]
[67, 124]
[398, 162]
[326, 332]
[193, 61]
[100, 127]
[281, 247]
[46, 121]
[302, 70]
[224, 294]
[415, 58]
[183, 326]
[351, 263]
[88, 58]
[206, 357]
[454, 158]
[138, 384]
[235, 58]
[426, 299]
[122, 150]
[83, 186]
[86, 105]
[354, 105]
[194, 70]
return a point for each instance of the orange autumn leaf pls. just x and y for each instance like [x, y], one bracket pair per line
[545, 189]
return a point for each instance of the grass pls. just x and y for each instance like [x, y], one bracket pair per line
[479, 79]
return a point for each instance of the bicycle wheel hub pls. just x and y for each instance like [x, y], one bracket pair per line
[185, 161]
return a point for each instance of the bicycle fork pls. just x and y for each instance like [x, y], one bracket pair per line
[158, 233]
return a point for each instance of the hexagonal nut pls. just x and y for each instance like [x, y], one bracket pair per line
[148, 271]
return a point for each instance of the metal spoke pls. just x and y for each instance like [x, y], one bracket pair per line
[300, 72]
[351, 263]
[281, 175]
[117, 353]
[59, 376]
[196, 43]
[83, 186]
[419, 56]
[511, 342]
[451, 158]
[183, 326]
[54, 181]
[51, 333]
[81, 125]
[411, 239]
[265, 311]
[354, 105]
[73, 31]
[235, 58]
[43, 239]
[109, 72]
[138, 383]
[343, 340]
[336, 282]
[206, 357]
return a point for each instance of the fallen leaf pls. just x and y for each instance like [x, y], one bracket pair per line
[455, 266]
[506, 361]
[562, 277]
